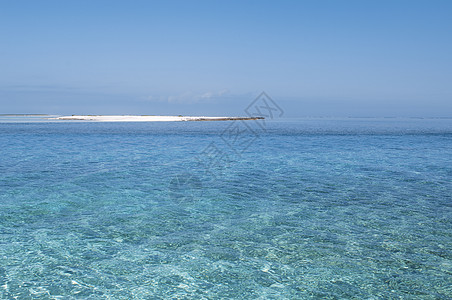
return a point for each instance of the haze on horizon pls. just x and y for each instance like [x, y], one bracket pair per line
[314, 58]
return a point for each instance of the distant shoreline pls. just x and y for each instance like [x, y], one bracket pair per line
[131, 118]
[24, 115]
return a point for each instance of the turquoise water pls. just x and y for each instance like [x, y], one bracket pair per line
[309, 208]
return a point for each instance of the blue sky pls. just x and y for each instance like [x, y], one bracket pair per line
[314, 58]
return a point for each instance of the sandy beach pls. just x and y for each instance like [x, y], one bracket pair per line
[132, 118]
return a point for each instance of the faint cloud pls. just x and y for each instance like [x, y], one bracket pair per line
[210, 95]
[189, 97]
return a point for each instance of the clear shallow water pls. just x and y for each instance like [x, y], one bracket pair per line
[313, 208]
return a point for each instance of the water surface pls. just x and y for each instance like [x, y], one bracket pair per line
[308, 208]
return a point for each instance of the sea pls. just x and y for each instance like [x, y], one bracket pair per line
[311, 208]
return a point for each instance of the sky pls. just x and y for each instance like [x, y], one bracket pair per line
[314, 58]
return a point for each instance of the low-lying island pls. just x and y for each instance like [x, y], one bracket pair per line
[144, 118]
